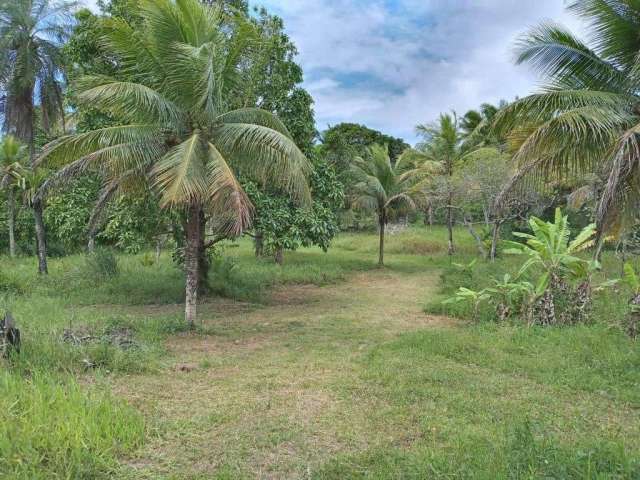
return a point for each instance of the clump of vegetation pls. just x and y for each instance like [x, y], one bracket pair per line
[102, 263]
[633, 318]
[562, 291]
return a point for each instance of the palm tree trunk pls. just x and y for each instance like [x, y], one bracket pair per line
[203, 258]
[452, 249]
[192, 263]
[41, 238]
[381, 221]
[11, 210]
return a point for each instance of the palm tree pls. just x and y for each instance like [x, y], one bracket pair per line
[476, 125]
[587, 117]
[31, 35]
[381, 186]
[427, 170]
[177, 127]
[12, 175]
[443, 143]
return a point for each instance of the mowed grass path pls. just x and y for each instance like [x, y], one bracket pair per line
[353, 380]
[266, 392]
[328, 369]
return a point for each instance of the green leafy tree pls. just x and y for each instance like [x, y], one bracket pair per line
[586, 118]
[273, 79]
[31, 60]
[69, 210]
[178, 129]
[342, 142]
[282, 225]
[12, 177]
[381, 186]
[135, 221]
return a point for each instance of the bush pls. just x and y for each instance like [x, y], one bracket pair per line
[102, 263]
[9, 285]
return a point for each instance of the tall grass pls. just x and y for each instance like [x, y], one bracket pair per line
[51, 429]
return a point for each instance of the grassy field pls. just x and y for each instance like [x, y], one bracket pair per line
[326, 368]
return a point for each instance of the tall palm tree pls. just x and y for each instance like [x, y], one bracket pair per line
[381, 186]
[443, 143]
[587, 117]
[31, 35]
[177, 129]
[12, 176]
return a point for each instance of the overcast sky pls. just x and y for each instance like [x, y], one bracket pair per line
[392, 64]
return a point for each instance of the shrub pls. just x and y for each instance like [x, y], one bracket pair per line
[102, 263]
[9, 285]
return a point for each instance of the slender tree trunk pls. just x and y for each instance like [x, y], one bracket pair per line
[25, 132]
[481, 249]
[485, 212]
[451, 249]
[41, 238]
[494, 240]
[203, 258]
[192, 264]
[381, 222]
[11, 210]
[430, 214]
[91, 244]
[279, 256]
[259, 243]
[159, 244]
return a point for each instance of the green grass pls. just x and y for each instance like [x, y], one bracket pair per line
[502, 402]
[52, 429]
[325, 368]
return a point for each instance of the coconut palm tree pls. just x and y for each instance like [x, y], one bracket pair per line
[177, 129]
[426, 170]
[476, 125]
[380, 186]
[587, 117]
[443, 143]
[12, 176]
[31, 35]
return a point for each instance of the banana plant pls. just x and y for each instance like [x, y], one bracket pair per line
[550, 248]
[632, 279]
[503, 294]
[472, 297]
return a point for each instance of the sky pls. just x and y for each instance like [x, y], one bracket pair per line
[393, 64]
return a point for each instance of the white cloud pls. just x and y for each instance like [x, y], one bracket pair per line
[394, 63]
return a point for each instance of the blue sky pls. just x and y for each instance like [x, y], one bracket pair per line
[392, 64]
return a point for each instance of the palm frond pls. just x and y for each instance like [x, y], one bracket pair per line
[228, 201]
[132, 102]
[181, 174]
[267, 154]
[566, 61]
